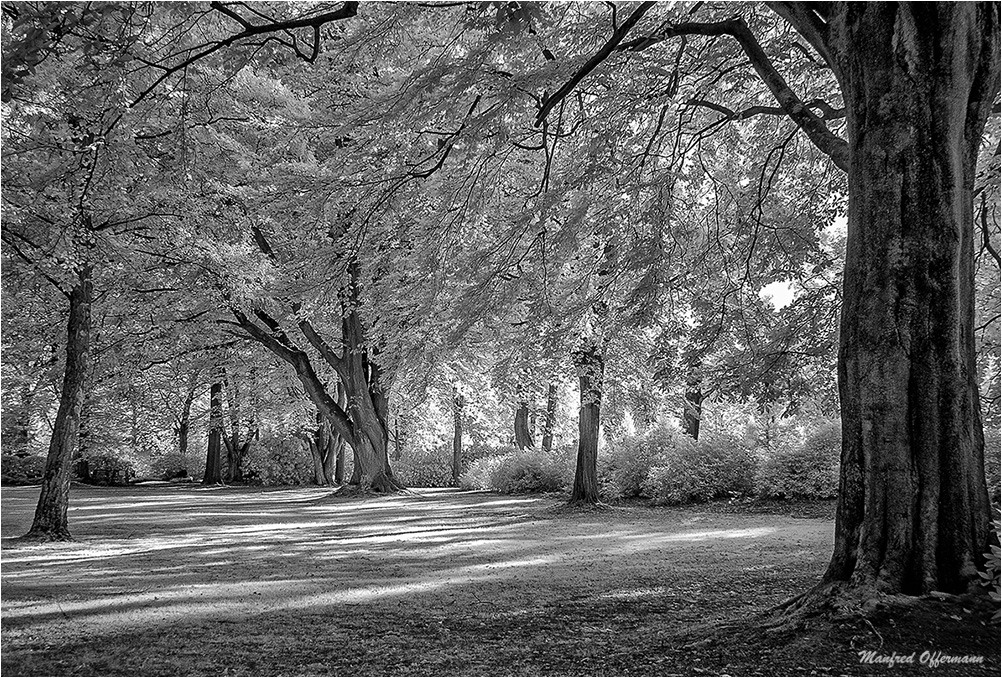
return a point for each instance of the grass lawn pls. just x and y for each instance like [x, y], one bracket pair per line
[247, 581]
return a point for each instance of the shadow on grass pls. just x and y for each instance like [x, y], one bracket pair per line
[184, 579]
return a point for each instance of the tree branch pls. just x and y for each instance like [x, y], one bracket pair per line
[346, 11]
[813, 126]
[304, 371]
[808, 20]
[608, 48]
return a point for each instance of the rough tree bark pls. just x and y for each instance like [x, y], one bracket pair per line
[523, 434]
[213, 457]
[50, 522]
[458, 404]
[549, 418]
[918, 81]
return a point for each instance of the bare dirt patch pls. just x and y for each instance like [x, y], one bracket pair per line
[237, 581]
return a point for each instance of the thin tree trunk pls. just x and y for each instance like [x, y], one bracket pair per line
[50, 523]
[81, 466]
[356, 469]
[318, 461]
[918, 81]
[184, 425]
[692, 410]
[213, 458]
[591, 367]
[398, 441]
[549, 418]
[335, 453]
[235, 447]
[339, 464]
[458, 403]
[523, 436]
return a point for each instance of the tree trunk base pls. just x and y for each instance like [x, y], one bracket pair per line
[586, 505]
[379, 486]
[840, 600]
[37, 536]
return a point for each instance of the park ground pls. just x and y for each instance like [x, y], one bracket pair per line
[186, 580]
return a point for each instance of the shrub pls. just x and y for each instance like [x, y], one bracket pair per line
[15, 470]
[716, 466]
[519, 471]
[421, 467]
[107, 469]
[627, 461]
[808, 470]
[279, 460]
[170, 465]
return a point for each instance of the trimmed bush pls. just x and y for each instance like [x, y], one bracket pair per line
[15, 470]
[519, 471]
[803, 471]
[689, 471]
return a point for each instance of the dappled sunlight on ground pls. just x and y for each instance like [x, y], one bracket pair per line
[172, 557]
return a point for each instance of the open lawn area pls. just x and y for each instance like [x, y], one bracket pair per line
[191, 580]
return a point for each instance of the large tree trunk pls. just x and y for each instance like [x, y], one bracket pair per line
[213, 457]
[549, 418]
[523, 434]
[918, 81]
[50, 522]
[458, 403]
[591, 367]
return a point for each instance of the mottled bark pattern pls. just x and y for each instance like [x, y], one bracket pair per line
[918, 81]
[50, 522]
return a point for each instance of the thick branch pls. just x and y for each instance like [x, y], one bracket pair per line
[808, 20]
[326, 352]
[346, 11]
[831, 144]
[608, 48]
[304, 371]
[827, 111]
